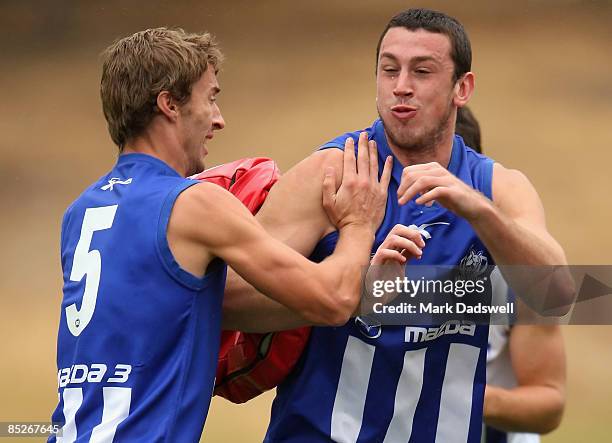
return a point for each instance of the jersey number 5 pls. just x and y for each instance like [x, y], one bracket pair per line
[88, 263]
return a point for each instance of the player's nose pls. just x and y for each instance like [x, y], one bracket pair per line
[403, 85]
[218, 121]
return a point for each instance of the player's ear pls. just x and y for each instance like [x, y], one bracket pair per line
[464, 87]
[167, 105]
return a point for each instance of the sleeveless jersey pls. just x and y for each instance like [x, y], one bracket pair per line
[364, 382]
[138, 335]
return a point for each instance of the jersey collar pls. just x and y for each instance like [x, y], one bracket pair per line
[140, 157]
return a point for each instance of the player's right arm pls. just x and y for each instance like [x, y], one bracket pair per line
[208, 216]
[536, 404]
[293, 214]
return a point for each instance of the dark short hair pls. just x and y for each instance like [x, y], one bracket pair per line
[468, 128]
[137, 68]
[434, 21]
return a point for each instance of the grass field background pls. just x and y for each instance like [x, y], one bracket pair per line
[297, 74]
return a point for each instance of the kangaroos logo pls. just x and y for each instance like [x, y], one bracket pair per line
[473, 265]
[368, 327]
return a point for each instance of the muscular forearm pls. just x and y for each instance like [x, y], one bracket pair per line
[329, 292]
[351, 257]
[334, 288]
[510, 243]
[535, 409]
[529, 260]
[246, 309]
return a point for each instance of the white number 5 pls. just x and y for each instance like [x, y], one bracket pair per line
[86, 262]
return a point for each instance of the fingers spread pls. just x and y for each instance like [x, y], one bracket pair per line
[363, 156]
[349, 159]
[386, 174]
[373, 161]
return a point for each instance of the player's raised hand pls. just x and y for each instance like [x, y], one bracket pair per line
[361, 198]
[401, 244]
[434, 183]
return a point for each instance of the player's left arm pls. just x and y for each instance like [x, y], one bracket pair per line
[512, 225]
[536, 404]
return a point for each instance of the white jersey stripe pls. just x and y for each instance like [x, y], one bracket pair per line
[406, 397]
[73, 397]
[349, 403]
[116, 409]
[456, 399]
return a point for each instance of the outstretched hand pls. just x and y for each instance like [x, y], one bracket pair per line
[361, 198]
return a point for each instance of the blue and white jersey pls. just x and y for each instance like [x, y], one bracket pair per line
[138, 336]
[392, 384]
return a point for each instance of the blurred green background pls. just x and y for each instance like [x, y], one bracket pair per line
[297, 74]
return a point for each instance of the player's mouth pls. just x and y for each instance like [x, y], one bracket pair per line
[403, 112]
